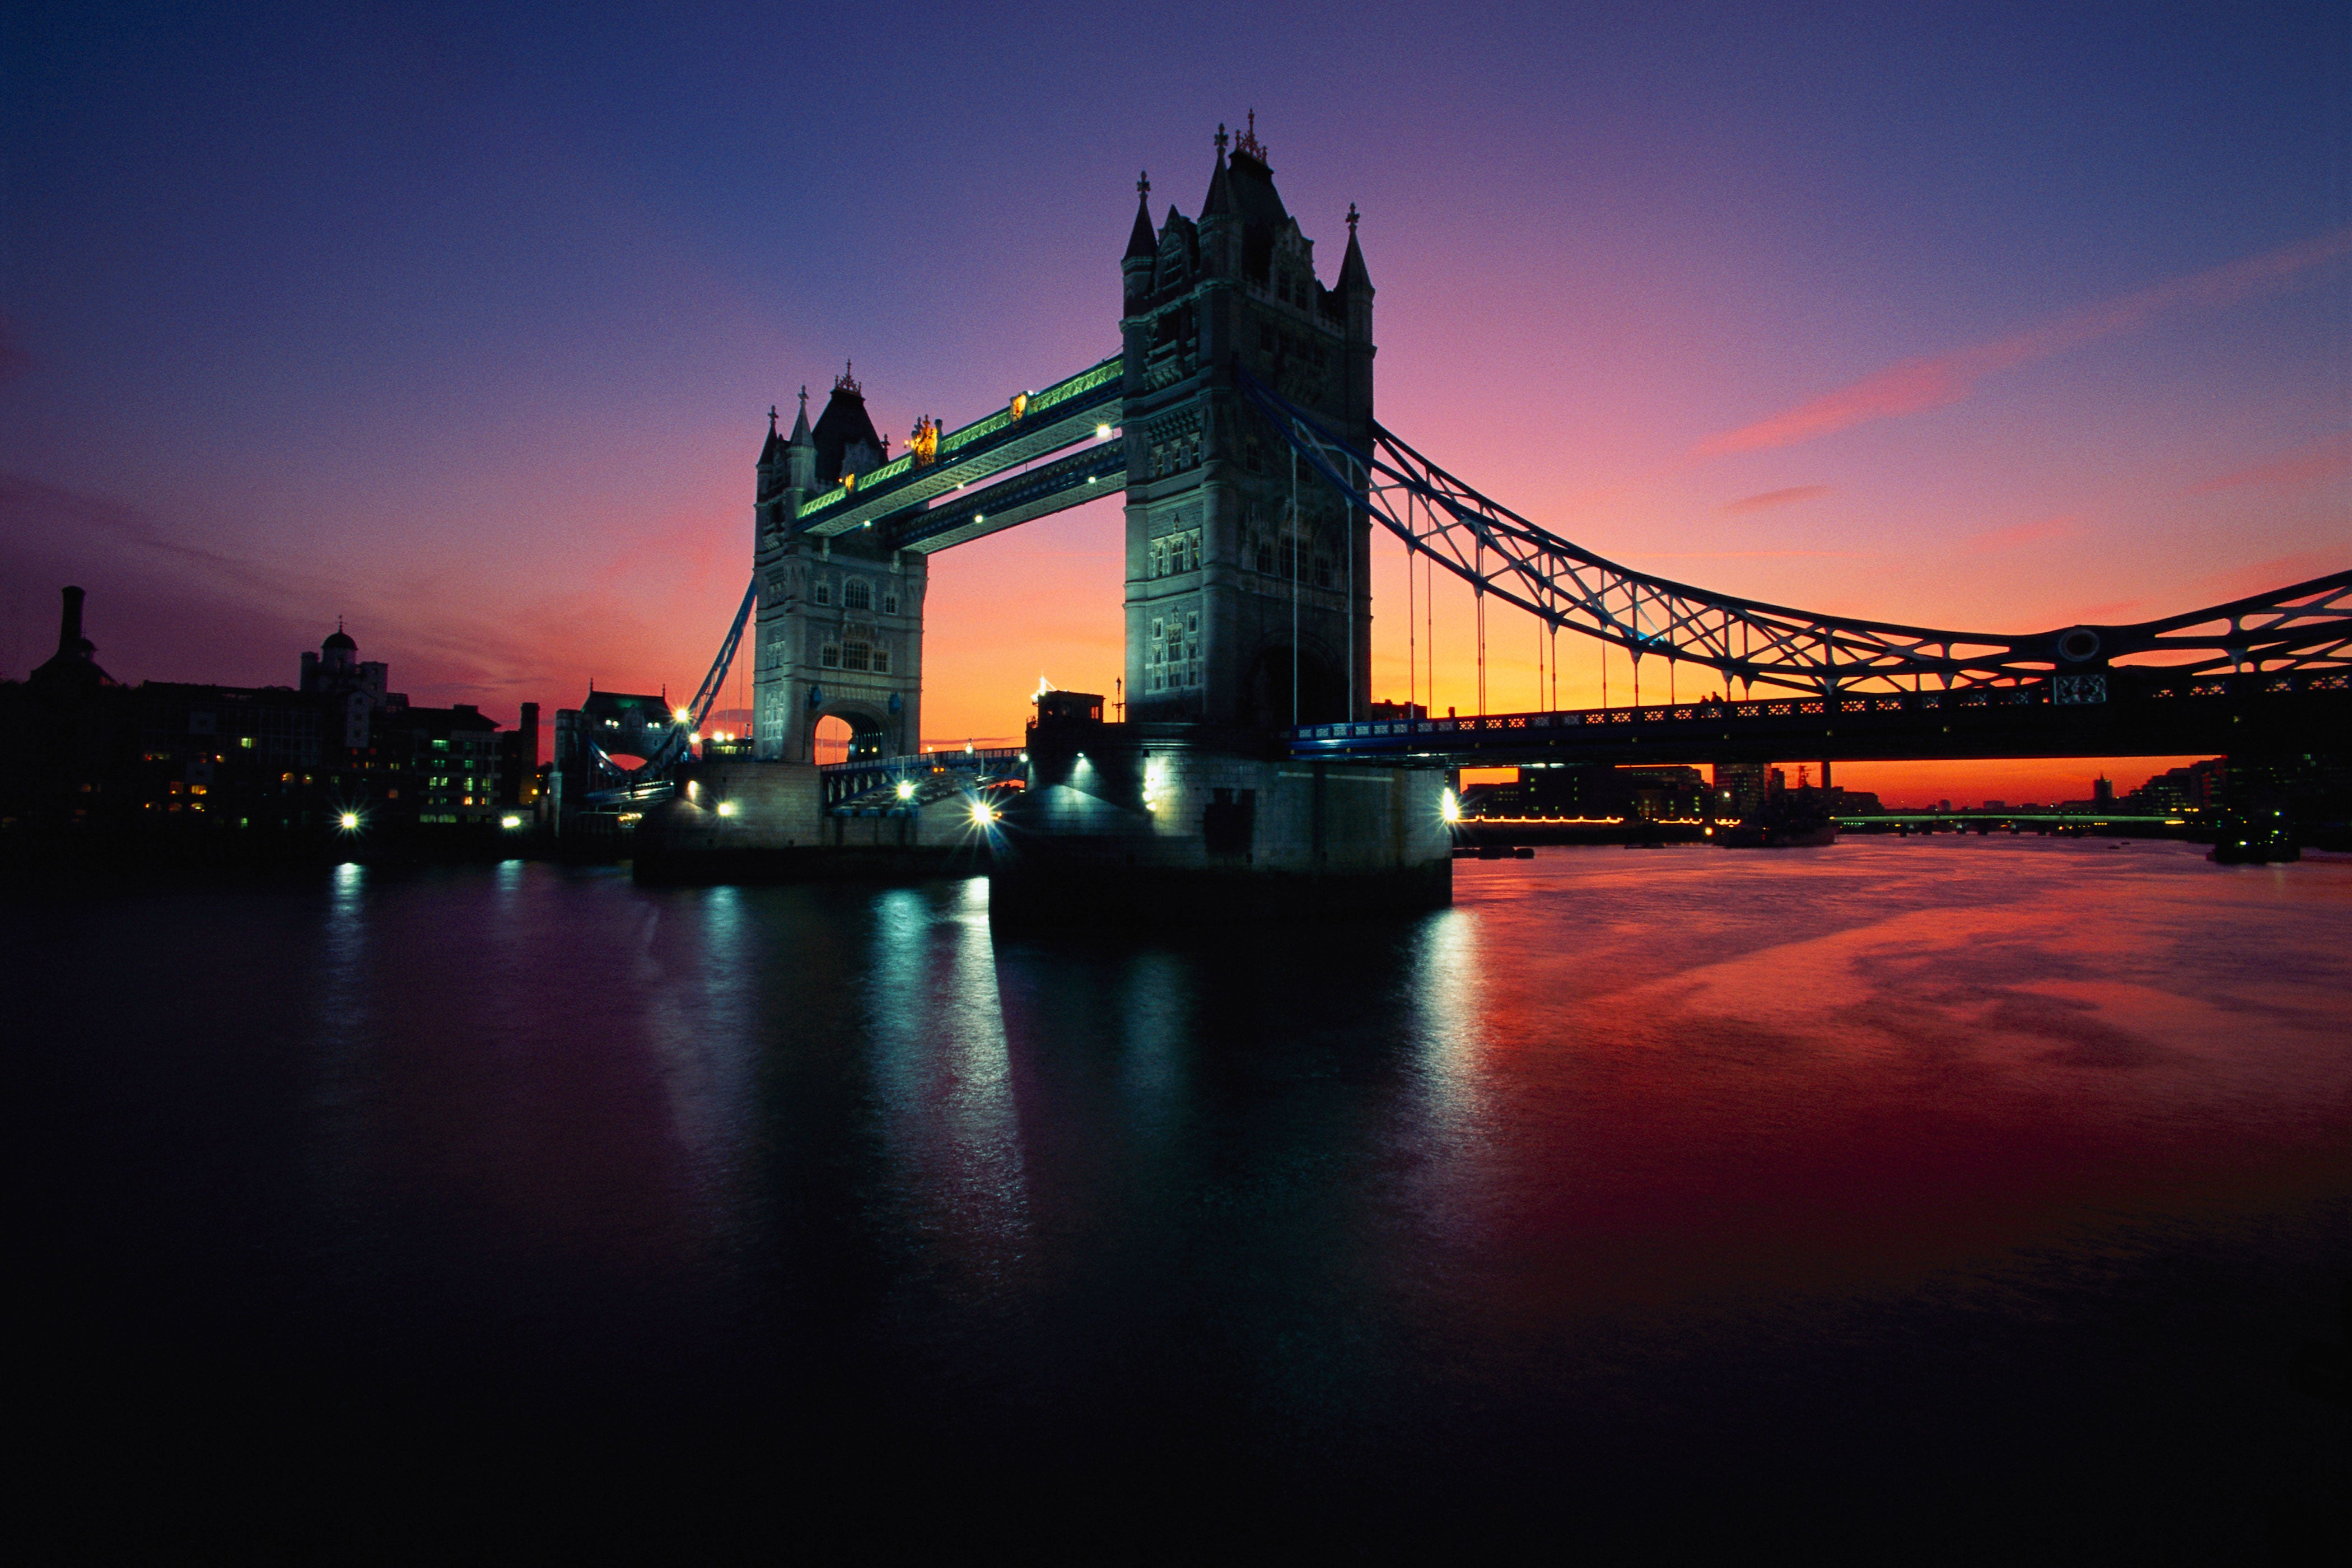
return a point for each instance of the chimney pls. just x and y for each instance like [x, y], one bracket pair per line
[530, 727]
[69, 638]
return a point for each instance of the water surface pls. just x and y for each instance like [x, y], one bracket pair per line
[1972, 1195]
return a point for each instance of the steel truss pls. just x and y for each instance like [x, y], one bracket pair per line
[2305, 628]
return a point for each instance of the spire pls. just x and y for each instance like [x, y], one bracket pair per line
[773, 450]
[1219, 201]
[1247, 144]
[801, 426]
[1141, 245]
[1353, 276]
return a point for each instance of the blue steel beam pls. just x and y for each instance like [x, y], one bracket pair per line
[1074, 480]
[1072, 410]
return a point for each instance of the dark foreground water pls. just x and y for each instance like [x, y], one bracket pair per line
[1906, 1199]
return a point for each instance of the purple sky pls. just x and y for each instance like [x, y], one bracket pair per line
[1986, 317]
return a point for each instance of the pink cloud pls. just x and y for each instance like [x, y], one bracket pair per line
[1773, 497]
[2316, 461]
[1937, 380]
[2024, 533]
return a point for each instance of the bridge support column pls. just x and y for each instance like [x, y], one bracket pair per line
[1146, 822]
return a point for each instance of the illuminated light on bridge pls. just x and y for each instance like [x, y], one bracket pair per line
[348, 821]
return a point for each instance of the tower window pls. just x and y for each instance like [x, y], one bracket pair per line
[856, 595]
[881, 662]
[890, 601]
[829, 657]
[821, 592]
[856, 656]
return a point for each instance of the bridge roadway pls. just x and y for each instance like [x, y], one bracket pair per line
[895, 499]
[2142, 717]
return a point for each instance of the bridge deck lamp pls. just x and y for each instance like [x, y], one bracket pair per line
[983, 813]
[726, 808]
[348, 821]
[681, 715]
[906, 789]
[511, 822]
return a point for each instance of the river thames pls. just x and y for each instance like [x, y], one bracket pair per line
[1919, 1198]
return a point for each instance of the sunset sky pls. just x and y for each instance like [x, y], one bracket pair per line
[466, 327]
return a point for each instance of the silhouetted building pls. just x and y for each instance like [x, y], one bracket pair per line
[100, 762]
[1592, 791]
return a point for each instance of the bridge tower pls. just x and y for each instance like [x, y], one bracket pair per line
[839, 630]
[1248, 595]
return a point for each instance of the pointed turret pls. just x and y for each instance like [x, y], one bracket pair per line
[1142, 245]
[772, 453]
[1352, 273]
[802, 450]
[1221, 225]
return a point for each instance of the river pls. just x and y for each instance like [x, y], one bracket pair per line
[1911, 1197]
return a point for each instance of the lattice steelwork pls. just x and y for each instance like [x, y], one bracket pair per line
[2307, 626]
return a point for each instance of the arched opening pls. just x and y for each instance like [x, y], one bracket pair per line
[1322, 689]
[833, 738]
[848, 738]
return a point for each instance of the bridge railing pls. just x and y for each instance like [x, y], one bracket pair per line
[856, 776]
[2128, 684]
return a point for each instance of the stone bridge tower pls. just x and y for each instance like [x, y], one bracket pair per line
[1248, 595]
[839, 632]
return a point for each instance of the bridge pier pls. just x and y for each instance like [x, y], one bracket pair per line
[1153, 822]
[737, 820]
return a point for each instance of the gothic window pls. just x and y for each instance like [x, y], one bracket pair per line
[856, 595]
[881, 662]
[1158, 567]
[830, 656]
[822, 594]
[856, 656]
[889, 601]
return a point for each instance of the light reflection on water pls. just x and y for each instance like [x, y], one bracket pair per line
[1306, 1187]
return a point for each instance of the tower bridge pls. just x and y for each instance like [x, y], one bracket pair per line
[1237, 420]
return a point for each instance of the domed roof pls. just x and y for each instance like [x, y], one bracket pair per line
[339, 641]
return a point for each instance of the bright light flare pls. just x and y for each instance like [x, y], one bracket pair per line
[906, 789]
[983, 813]
[682, 715]
[726, 808]
[1450, 807]
[349, 821]
[510, 822]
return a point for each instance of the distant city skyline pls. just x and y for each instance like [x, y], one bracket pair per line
[466, 328]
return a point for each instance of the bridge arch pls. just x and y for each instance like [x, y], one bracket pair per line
[1322, 685]
[872, 732]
